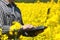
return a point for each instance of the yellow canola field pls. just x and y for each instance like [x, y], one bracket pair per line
[36, 14]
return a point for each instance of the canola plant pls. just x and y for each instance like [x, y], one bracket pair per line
[38, 14]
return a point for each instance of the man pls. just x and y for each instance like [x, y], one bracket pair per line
[9, 12]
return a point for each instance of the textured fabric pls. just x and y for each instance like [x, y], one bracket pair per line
[9, 13]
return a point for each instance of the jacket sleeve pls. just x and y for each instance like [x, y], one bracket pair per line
[21, 21]
[20, 16]
[5, 28]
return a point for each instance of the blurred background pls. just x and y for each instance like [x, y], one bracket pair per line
[39, 13]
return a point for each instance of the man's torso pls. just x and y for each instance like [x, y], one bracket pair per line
[10, 13]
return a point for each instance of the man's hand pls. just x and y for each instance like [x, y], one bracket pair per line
[28, 26]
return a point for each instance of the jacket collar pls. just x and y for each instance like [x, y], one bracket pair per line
[8, 4]
[5, 2]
